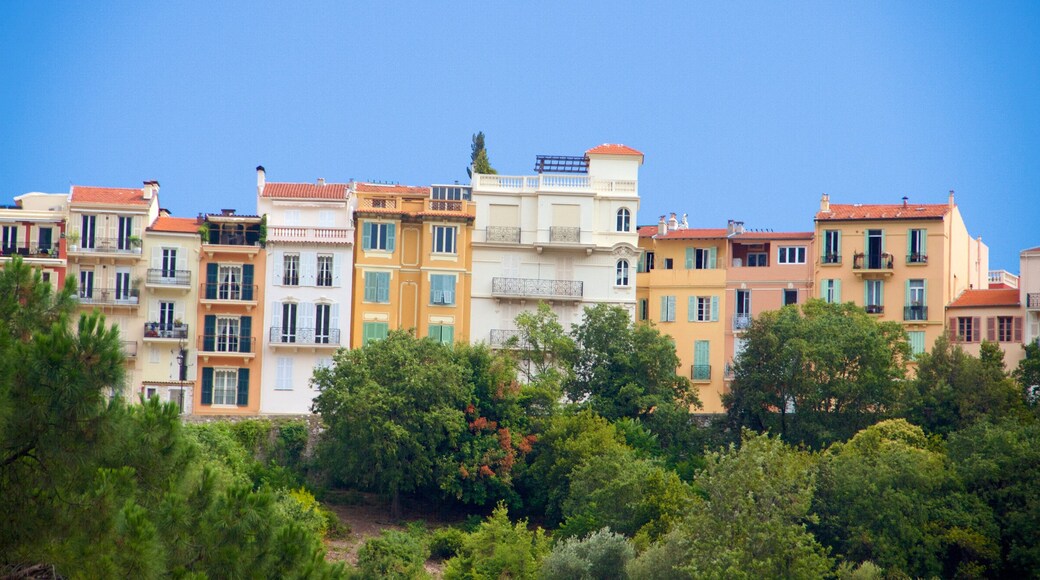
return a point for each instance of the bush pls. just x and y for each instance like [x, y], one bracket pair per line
[446, 542]
[601, 554]
[499, 549]
[299, 506]
[395, 555]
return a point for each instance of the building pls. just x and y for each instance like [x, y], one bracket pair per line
[233, 267]
[412, 265]
[168, 357]
[1029, 288]
[310, 260]
[105, 257]
[565, 236]
[902, 262]
[994, 315]
[34, 228]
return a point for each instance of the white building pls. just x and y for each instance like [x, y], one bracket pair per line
[566, 236]
[310, 259]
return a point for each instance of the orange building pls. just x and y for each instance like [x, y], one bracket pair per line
[230, 315]
[994, 315]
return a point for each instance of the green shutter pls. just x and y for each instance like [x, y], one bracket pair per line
[642, 262]
[837, 291]
[691, 307]
[924, 293]
[371, 290]
[247, 282]
[383, 287]
[909, 239]
[823, 288]
[714, 308]
[391, 234]
[448, 334]
[701, 352]
[211, 281]
[366, 236]
[207, 385]
[712, 256]
[246, 332]
[243, 387]
[689, 258]
[209, 331]
[906, 294]
[664, 309]
[881, 293]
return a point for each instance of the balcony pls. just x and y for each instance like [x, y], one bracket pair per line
[214, 292]
[741, 321]
[163, 331]
[458, 206]
[564, 235]
[119, 246]
[1033, 301]
[915, 313]
[502, 234]
[109, 297]
[551, 182]
[31, 252]
[917, 258]
[501, 338]
[309, 337]
[173, 278]
[874, 309]
[304, 234]
[700, 372]
[533, 287]
[831, 259]
[226, 344]
[130, 349]
[876, 263]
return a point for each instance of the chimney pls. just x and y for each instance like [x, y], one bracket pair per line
[738, 227]
[163, 212]
[662, 227]
[730, 227]
[951, 199]
[825, 203]
[673, 224]
[150, 189]
[905, 200]
[321, 181]
[227, 212]
[261, 179]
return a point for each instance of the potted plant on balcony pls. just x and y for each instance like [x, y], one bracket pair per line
[73, 240]
[135, 242]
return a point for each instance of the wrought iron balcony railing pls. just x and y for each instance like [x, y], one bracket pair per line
[30, 251]
[122, 297]
[501, 338]
[169, 277]
[567, 235]
[231, 291]
[165, 330]
[917, 258]
[536, 287]
[226, 343]
[700, 372]
[915, 313]
[304, 336]
[832, 258]
[108, 245]
[503, 234]
[875, 309]
[130, 348]
[872, 261]
[741, 321]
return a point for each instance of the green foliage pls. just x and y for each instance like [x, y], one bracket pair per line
[479, 162]
[1027, 374]
[543, 350]
[499, 549]
[836, 366]
[600, 555]
[394, 555]
[446, 542]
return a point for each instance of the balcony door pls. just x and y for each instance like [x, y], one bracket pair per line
[322, 313]
[123, 284]
[169, 263]
[126, 225]
[227, 334]
[875, 246]
[166, 318]
[743, 309]
[10, 240]
[230, 287]
[88, 229]
[45, 239]
[289, 311]
[86, 283]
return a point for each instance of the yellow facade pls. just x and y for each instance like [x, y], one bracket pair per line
[413, 262]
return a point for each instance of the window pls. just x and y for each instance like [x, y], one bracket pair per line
[378, 236]
[291, 270]
[225, 387]
[873, 296]
[916, 342]
[230, 283]
[442, 289]
[87, 232]
[966, 329]
[326, 219]
[373, 331]
[166, 318]
[292, 217]
[644, 309]
[757, 259]
[700, 258]
[150, 392]
[701, 360]
[126, 230]
[624, 220]
[668, 309]
[450, 193]
[703, 309]
[227, 334]
[444, 239]
[621, 279]
[283, 381]
[742, 310]
[1004, 329]
[648, 261]
[442, 333]
[323, 323]
[122, 284]
[791, 255]
[169, 263]
[10, 240]
[667, 263]
[916, 247]
[377, 287]
[916, 294]
[831, 247]
[324, 270]
[790, 297]
[830, 291]
[289, 312]
[86, 283]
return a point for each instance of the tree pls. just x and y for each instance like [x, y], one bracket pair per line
[601, 555]
[817, 373]
[499, 549]
[1027, 374]
[543, 349]
[478, 158]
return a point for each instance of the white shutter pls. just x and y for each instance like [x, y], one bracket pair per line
[337, 264]
[276, 314]
[277, 263]
[306, 315]
[308, 264]
[178, 310]
[153, 311]
[156, 257]
[334, 316]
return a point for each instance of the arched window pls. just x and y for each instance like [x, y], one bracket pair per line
[624, 220]
[622, 273]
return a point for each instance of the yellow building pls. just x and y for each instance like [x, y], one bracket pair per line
[412, 264]
[903, 262]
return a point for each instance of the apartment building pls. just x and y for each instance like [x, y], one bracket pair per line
[168, 356]
[105, 257]
[993, 315]
[565, 236]
[33, 228]
[233, 264]
[412, 266]
[903, 262]
[310, 260]
[1029, 292]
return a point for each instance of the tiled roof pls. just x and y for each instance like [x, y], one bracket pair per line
[970, 298]
[613, 149]
[112, 195]
[716, 233]
[305, 190]
[894, 211]
[379, 188]
[1036, 249]
[174, 225]
[774, 236]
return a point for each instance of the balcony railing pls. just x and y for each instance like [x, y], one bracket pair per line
[874, 261]
[1033, 301]
[304, 336]
[700, 372]
[832, 258]
[165, 330]
[564, 234]
[225, 343]
[875, 309]
[915, 313]
[536, 287]
[169, 277]
[109, 246]
[309, 234]
[1002, 278]
[30, 251]
[917, 258]
[454, 205]
[500, 338]
[125, 297]
[232, 292]
[503, 234]
[543, 181]
[130, 348]
[377, 203]
[741, 321]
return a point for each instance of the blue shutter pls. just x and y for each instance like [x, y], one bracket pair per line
[371, 292]
[246, 331]
[209, 331]
[211, 281]
[712, 256]
[207, 385]
[664, 309]
[243, 387]
[837, 291]
[691, 306]
[391, 234]
[247, 282]
[689, 258]
[383, 286]
[714, 308]
[366, 236]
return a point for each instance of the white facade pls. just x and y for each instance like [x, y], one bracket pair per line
[310, 259]
[568, 239]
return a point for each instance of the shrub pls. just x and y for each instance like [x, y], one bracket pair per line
[499, 549]
[601, 554]
[446, 542]
[395, 555]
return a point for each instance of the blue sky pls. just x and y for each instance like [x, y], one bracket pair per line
[745, 110]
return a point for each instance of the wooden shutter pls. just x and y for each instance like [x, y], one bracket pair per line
[243, 387]
[156, 258]
[371, 287]
[209, 330]
[211, 281]
[664, 309]
[308, 265]
[247, 282]
[207, 385]
[1016, 324]
[337, 268]
[837, 291]
[976, 329]
[954, 337]
[991, 328]
[246, 332]
[276, 315]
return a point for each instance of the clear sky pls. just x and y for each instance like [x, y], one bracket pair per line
[745, 110]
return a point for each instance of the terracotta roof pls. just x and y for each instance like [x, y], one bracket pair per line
[613, 149]
[379, 188]
[894, 211]
[305, 190]
[717, 233]
[174, 224]
[970, 298]
[112, 195]
[774, 236]
[1036, 249]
